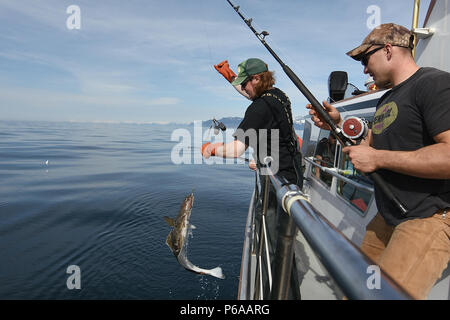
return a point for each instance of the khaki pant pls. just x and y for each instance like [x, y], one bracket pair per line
[414, 253]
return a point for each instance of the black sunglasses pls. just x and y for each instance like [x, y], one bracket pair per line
[365, 58]
[244, 83]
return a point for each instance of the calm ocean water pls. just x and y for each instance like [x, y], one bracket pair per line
[93, 195]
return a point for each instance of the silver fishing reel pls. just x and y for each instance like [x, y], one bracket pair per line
[217, 126]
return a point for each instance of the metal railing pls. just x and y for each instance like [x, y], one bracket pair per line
[256, 250]
[344, 262]
[335, 173]
[262, 246]
[245, 282]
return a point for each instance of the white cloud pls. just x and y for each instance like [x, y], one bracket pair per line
[164, 101]
[31, 98]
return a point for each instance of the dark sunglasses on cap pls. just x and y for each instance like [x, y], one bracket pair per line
[366, 56]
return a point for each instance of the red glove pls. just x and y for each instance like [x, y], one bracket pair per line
[209, 149]
[300, 141]
[224, 69]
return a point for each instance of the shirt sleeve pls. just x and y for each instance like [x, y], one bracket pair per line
[434, 99]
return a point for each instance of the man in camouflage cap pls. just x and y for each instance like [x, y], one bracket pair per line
[392, 38]
[409, 146]
[386, 33]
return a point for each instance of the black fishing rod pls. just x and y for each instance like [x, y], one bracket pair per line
[335, 130]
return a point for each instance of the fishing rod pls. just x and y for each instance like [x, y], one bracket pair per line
[335, 129]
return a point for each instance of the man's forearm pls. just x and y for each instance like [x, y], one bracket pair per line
[432, 162]
[231, 150]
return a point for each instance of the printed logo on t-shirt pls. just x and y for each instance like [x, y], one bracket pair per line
[384, 117]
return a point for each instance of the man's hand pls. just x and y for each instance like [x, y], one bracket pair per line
[209, 149]
[363, 158]
[252, 165]
[317, 119]
[224, 69]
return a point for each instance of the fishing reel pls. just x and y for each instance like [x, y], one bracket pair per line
[355, 128]
[217, 126]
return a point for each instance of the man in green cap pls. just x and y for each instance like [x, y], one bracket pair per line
[270, 117]
[270, 110]
[409, 146]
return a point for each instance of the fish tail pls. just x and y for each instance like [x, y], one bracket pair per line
[217, 272]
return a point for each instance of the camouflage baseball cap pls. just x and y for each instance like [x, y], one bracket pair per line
[391, 33]
[249, 68]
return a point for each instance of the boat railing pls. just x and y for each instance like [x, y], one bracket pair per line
[256, 250]
[335, 172]
[353, 272]
[245, 282]
[263, 265]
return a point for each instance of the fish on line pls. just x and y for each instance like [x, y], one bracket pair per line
[177, 239]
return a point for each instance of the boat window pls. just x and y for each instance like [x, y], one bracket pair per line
[358, 198]
[307, 145]
[324, 155]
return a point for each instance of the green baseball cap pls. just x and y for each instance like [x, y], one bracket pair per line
[249, 68]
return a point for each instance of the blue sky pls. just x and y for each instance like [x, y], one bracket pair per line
[152, 61]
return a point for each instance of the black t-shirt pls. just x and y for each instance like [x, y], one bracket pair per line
[266, 112]
[407, 118]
